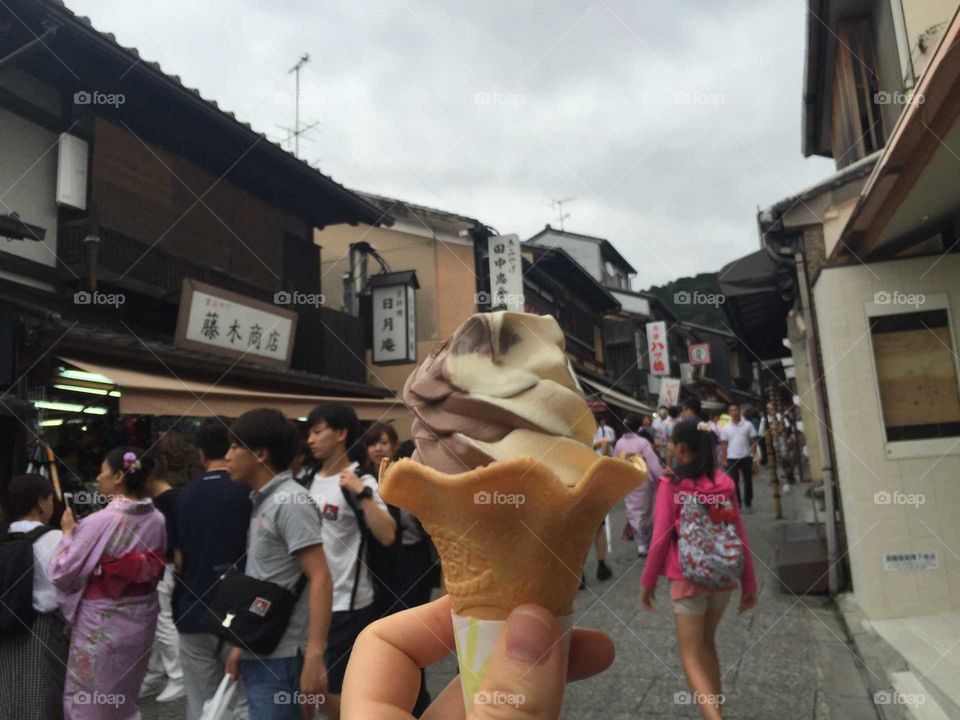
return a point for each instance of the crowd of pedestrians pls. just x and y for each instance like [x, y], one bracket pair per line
[266, 567]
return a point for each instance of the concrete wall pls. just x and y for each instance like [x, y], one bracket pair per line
[28, 184]
[927, 18]
[864, 467]
[444, 269]
[586, 252]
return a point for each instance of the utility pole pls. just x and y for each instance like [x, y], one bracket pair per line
[304, 59]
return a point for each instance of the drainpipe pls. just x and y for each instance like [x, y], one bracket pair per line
[810, 338]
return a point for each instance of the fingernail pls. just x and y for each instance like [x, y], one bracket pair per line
[530, 637]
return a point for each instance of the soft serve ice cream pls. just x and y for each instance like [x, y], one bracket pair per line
[504, 478]
[501, 388]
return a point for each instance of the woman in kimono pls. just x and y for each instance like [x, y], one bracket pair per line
[106, 571]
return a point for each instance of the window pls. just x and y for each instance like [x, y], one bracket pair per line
[857, 126]
[916, 374]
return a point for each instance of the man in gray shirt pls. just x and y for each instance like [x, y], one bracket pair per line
[284, 543]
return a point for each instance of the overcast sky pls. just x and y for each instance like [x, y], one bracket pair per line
[669, 123]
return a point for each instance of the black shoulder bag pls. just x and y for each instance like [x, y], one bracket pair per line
[249, 613]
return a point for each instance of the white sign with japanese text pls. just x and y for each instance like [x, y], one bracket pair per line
[223, 322]
[669, 392]
[506, 273]
[657, 348]
[394, 324]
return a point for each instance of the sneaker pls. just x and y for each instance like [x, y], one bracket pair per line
[173, 691]
[151, 685]
[603, 572]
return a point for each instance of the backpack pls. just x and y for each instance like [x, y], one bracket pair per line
[710, 549]
[382, 561]
[16, 577]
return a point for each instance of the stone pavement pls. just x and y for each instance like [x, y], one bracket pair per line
[787, 660]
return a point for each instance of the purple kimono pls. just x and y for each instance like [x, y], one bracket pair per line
[106, 572]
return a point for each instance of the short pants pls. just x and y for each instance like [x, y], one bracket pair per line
[699, 604]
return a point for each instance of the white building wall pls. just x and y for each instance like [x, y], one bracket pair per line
[586, 252]
[28, 184]
[863, 468]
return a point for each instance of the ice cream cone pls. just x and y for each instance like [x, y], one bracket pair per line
[510, 532]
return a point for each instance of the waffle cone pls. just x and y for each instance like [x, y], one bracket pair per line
[510, 532]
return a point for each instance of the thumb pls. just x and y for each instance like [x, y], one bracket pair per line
[526, 674]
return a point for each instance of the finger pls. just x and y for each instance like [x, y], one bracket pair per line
[526, 668]
[591, 652]
[448, 705]
[384, 671]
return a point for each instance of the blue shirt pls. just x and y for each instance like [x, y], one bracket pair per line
[212, 517]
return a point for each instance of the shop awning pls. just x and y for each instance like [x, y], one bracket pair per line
[154, 394]
[613, 397]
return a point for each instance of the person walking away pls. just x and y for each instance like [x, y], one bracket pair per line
[352, 512]
[739, 441]
[639, 501]
[106, 570]
[696, 501]
[212, 517]
[284, 547]
[416, 570]
[603, 442]
[33, 644]
[164, 676]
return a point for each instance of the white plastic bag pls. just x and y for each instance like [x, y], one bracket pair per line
[220, 706]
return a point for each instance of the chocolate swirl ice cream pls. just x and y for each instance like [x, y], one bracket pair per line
[501, 388]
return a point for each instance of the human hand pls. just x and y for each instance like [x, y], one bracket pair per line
[748, 601]
[233, 664]
[67, 521]
[350, 481]
[313, 684]
[646, 598]
[383, 676]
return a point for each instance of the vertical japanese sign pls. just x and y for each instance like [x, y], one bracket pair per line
[224, 323]
[657, 348]
[669, 392]
[394, 324]
[506, 273]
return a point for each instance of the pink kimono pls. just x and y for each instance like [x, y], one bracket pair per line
[106, 572]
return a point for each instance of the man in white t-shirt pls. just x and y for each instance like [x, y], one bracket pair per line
[341, 490]
[738, 441]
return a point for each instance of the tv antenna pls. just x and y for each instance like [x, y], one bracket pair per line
[561, 215]
[297, 131]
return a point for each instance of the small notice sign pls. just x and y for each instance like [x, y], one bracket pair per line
[893, 562]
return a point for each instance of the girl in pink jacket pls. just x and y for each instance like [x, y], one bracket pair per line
[697, 610]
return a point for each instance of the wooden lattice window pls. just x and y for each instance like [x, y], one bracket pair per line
[857, 123]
